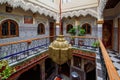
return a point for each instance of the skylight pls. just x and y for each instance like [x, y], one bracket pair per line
[51, 0]
[66, 1]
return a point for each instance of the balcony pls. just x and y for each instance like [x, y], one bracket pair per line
[24, 53]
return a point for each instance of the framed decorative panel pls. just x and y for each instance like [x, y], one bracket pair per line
[28, 19]
[9, 9]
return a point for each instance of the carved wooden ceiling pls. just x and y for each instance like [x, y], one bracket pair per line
[111, 4]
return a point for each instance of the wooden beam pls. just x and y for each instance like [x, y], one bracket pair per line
[100, 21]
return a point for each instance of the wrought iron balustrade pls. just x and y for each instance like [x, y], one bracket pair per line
[17, 51]
[20, 50]
[82, 41]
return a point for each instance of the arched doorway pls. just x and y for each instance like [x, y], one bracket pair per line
[49, 68]
[41, 29]
[108, 33]
[68, 27]
[31, 74]
[65, 69]
[52, 30]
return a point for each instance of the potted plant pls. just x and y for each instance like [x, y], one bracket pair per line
[72, 31]
[5, 70]
[81, 31]
[96, 44]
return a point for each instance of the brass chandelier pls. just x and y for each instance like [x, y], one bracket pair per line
[60, 51]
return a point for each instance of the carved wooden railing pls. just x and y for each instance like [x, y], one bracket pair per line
[112, 74]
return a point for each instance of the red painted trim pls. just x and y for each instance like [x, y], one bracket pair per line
[84, 56]
[27, 66]
[31, 63]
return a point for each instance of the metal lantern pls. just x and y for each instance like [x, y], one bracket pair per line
[60, 51]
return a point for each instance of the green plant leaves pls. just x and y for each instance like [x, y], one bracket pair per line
[72, 31]
[5, 69]
[96, 44]
[81, 31]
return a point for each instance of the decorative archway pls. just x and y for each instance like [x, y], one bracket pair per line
[68, 27]
[41, 29]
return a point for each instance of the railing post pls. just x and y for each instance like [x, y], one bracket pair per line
[42, 70]
[28, 44]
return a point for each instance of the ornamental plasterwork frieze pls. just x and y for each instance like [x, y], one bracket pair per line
[29, 6]
[42, 10]
[78, 13]
[101, 7]
[41, 20]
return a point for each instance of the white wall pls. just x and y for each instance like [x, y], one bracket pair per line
[79, 4]
[82, 20]
[47, 4]
[26, 31]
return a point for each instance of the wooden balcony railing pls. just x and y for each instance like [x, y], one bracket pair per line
[111, 71]
[15, 51]
[18, 50]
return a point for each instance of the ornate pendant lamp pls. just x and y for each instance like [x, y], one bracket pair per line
[60, 49]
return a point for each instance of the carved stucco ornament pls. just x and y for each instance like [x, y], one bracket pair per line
[29, 6]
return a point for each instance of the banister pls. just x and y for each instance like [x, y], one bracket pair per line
[112, 73]
[21, 41]
[29, 40]
[84, 37]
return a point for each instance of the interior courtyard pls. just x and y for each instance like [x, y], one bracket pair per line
[59, 39]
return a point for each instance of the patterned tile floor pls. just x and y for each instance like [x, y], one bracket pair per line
[115, 59]
[65, 77]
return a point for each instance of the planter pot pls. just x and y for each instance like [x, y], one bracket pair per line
[3, 68]
[72, 42]
[80, 43]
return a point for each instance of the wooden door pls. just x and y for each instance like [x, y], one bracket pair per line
[52, 31]
[108, 33]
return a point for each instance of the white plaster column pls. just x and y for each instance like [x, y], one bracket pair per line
[77, 22]
[42, 68]
[82, 64]
[99, 29]
[115, 34]
[100, 21]
[57, 30]
[57, 26]
[71, 66]
[119, 35]
[56, 69]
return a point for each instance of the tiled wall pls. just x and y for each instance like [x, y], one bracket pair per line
[26, 31]
[82, 20]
